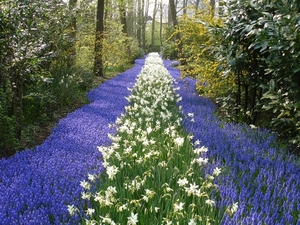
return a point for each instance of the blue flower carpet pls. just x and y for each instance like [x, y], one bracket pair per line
[37, 185]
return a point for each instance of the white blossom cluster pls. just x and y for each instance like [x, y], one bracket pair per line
[153, 172]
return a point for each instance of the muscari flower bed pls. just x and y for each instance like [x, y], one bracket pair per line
[37, 185]
[257, 174]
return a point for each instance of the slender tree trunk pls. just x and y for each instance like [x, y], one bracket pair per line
[72, 56]
[139, 28]
[98, 65]
[124, 24]
[160, 28]
[106, 12]
[184, 6]
[131, 19]
[145, 19]
[123, 16]
[197, 4]
[213, 7]
[176, 29]
[153, 27]
[170, 22]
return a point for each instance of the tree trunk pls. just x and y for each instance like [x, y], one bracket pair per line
[145, 19]
[170, 22]
[197, 4]
[153, 27]
[184, 6]
[123, 16]
[213, 7]
[106, 16]
[176, 29]
[72, 56]
[98, 65]
[140, 23]
[124, 24]
[160, 28]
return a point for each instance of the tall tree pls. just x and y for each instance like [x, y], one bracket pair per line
[176, 30]
[145, 6]
[72, 57]
[185, 2]
[153, 25]
[197, 4]
[161, 24]
[140, 22]
[213, 7]
[98, 64]
[124, 23]
[123, 16]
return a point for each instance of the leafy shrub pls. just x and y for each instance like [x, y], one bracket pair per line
[169, 48]
[32, 37]
[169, 51]
[7, 124]
[260, 48]
[199, 43]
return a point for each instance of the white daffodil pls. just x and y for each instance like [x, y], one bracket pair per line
[85, 195]
[200, 150]
[210, 202]
[132, 219]
[192, 222]
[179, 141]
[190, 114]
[192, 190]
[216, 172]
[182, 182]
[201, 161]
[112, 171]
[233, 208]
[178, 207]
[90, 211]
[92, 177]
[72, 210]
[123, 207]
[86, 185]
[90, 222]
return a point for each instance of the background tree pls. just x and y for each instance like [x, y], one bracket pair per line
[145, 6]
[177, 32]
[153, 25]
[98, 67]
[139, 22]
[73, 31]
[161, 25]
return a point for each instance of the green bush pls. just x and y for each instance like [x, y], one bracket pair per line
[260, 51]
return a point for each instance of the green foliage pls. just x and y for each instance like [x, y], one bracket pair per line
[119, 50]
[46, 67]
[248, 62]
[68, 86]
[260, 51]
[38, 100]
[198, 43]
[286, 108]
[149, 37]
[7, 124]
[33, 40]
[169, 50]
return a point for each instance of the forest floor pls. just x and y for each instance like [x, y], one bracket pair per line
[41, 130]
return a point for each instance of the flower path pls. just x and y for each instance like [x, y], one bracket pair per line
[36, 185]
